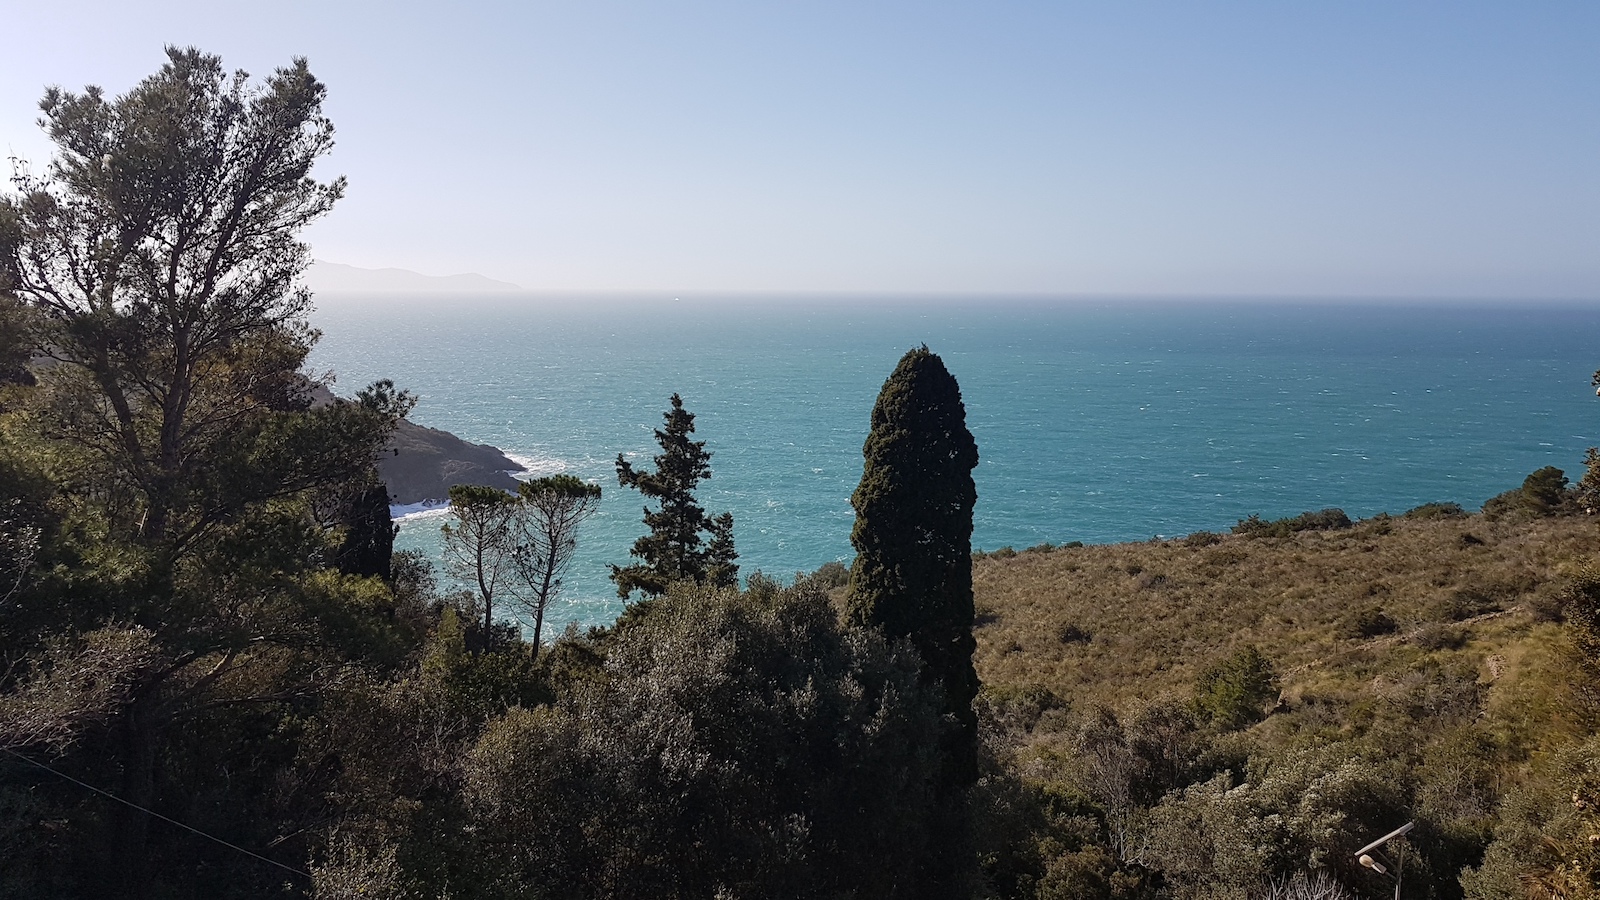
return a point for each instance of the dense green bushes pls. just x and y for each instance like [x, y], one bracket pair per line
[721, 743]
[1321, 520]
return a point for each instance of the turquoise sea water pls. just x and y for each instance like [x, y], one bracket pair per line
[1095, 420]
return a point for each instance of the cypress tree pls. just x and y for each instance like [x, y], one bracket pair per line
[368, 545]
[912, 575]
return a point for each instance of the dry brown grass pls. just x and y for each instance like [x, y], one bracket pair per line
[1118, 624]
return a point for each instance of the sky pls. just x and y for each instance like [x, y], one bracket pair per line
[1371, 149]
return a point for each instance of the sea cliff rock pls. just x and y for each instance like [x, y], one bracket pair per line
[421, 464]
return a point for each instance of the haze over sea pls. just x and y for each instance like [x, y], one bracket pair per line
[1096, 420]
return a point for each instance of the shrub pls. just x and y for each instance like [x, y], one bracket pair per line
[1017, 708]
[1151, 581]
[1580, 603]
[1202, 539]
[1072, 634]
[768, 748]
[1234, 693]
[1544, 839]
[1436, 511]
[1330, 519]
[1465, 603]
[830, 575]
[1367, 622]
[1543, 493]
[1438, 636]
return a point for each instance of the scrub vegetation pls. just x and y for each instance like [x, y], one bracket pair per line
[217, 679]
[1215, 714]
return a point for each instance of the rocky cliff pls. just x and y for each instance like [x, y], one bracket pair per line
[421, 463]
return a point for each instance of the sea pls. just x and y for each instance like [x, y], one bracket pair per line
[1097, 420]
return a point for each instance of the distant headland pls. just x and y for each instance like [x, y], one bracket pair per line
[420, 464]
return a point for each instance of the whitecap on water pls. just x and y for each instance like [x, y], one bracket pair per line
[425, 510]
[537, 465]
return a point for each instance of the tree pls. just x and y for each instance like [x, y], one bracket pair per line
[738, 744]
[156, 262]
[1233, 693]
[479, 545]
[674, 549]
[912, 575]
[1543, 493]
[550, 511]
[368, 544]
[161, 255]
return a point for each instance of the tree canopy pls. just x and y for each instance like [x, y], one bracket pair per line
[180, 496]
[684, 543]
[912, 575]
[160, 254]
[552, 509]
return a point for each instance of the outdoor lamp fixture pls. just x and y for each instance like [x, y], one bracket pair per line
[1366, 858]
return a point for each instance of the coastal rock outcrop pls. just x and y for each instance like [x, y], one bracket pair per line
[421, 464]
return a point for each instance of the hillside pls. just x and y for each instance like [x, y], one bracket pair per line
[1117, 622]
[1195, 714]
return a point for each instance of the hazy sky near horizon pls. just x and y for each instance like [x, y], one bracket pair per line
[1266, 148]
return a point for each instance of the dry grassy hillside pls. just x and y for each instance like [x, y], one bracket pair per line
[1122, 623]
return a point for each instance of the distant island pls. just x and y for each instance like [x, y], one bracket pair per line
[332, 277]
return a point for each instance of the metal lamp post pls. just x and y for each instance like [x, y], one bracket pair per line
[1366, 856]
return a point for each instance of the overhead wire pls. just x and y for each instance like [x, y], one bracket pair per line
[153, 813]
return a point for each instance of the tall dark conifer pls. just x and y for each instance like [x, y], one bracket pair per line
[368, 544]
[674, 550]
[913, 536]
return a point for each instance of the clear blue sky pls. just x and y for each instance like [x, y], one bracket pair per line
[1272, 148]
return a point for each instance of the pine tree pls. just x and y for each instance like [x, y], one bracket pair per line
[551, 510]
[674, 550]
[912, 575]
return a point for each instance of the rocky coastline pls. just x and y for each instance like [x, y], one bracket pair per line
[421, 464]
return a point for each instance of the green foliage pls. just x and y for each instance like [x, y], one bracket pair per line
[1234, 692]
[1307, 810]
[1543, 493]
[1321, 520]
[478, 545]
[1586, 493]
[830, 575]
[741, 745]
[514, 549]
[172, 615]
[158, 257]
[1436, 511]
[675, 549]
[912, 575]
[1367, 622]
[550, 511]
[1018, 708]
[368, 544]
[1545, 845]
[1580, 603]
